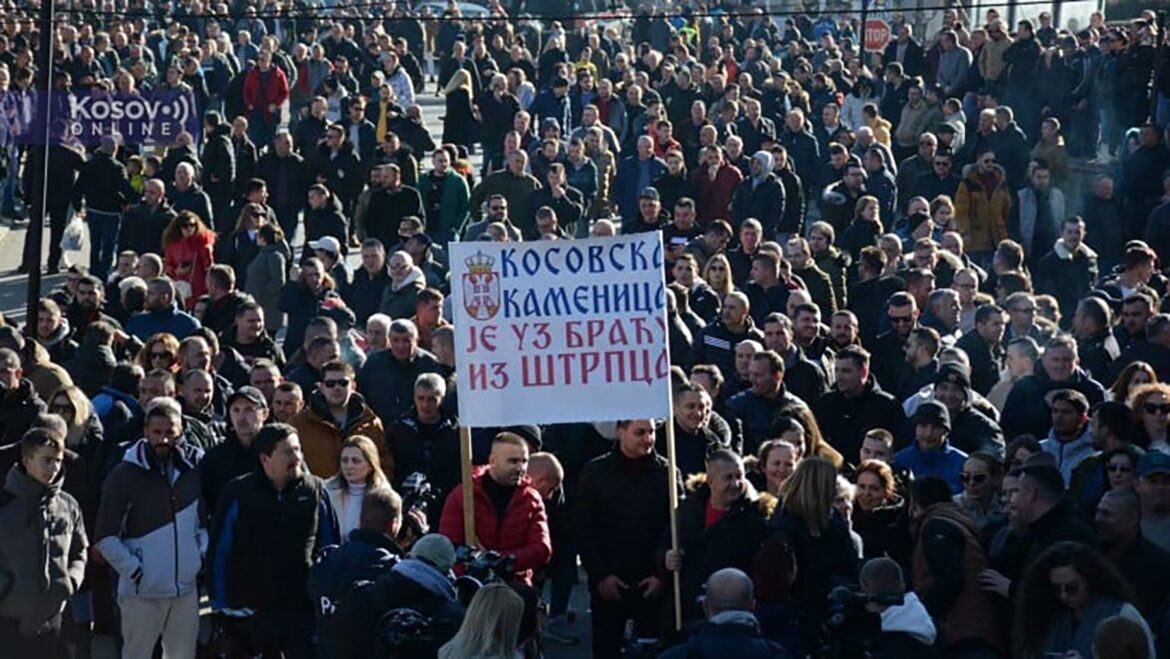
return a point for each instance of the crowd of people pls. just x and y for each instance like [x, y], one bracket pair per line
[915, 304]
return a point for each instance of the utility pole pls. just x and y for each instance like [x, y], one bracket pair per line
[40, 188]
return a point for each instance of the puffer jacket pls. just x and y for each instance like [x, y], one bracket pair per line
[523, 532]
[18, 408]
[42, 551]
[321, 437]
[983, 219]
[150, 525]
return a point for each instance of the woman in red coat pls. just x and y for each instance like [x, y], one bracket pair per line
[187, 253]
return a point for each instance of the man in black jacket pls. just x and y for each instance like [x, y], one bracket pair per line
[219, 170]
[233, 457]
[389, 202]
[622, 519]
[105, 190]
[731, 628]
[144, 223]
[269, 528]
[286, 175]
[984, 347]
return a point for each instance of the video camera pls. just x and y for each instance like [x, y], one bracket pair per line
[849, 627]
[417, 497]
[486, 565]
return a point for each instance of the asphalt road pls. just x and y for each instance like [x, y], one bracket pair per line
[13, 301]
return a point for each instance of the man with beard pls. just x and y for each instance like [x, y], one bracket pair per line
[269, 528]
[889, 348]
[151, 531]
[389, 202]
[972, 429]
[388, 377]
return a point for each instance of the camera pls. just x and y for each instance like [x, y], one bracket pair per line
[417, 497]
[486, 566]
[849, 626]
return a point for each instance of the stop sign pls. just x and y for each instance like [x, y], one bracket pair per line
[877, 34]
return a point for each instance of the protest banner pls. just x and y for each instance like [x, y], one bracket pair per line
[562, 332]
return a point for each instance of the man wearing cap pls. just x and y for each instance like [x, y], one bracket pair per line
[971, 430]
[233, 457]
[635, 173]
[931, 454]
[650, 217]
[1154, 489]
[417, 585]
[328, 249]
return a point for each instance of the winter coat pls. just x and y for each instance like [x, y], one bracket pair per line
[1068, 276]
[143, 226]
[1034, 237]
[365, 556]
[194, 252]
[431, 449]
[946, 567]
[342, 170]
[1026, 411]
[192, 199]
[321, 437]
[103, 185]
[844, 421]
[732, 541]
[763, 200]
[1068, 454]
[944, 462]
[522, 532]
[223, 463]
[264, 542]
[328, 220]
[219, 167]
[171, 320]
[622, 517]
[302, 305]
[18, 409]
[267, 275]
[713, 197]
[728, 634]
[151, 524]
[401, 300]
[716, 345]
[982, 219]
[42, 551]
[388, 384]
[260, 93]
[757, 414]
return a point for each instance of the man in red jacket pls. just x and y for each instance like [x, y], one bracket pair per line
[265, 93]
[509, 512]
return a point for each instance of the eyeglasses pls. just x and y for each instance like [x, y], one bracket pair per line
[974, 479]
[340, 382]
[1155, 408]
[901, 320]
[1119, 469]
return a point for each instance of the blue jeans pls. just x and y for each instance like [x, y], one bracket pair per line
[103, 241]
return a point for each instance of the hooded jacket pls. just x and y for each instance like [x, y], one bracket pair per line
[151, 523]
[907, 632]
[1069, 454]
[728, 634]
[945, 462]
[42, 551]
[982, 218]
[761, 197]
[1068, 275]
[321, 437]
[400, 298]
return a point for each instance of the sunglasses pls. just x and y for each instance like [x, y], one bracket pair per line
[188, 225]
[340, 382]
[1155, 408]
[974, 479]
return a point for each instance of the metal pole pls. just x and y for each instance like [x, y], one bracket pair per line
[36, 225]
[1057, 10]
[861, 31]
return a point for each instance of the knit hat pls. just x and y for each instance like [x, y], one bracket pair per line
[935, 412]
[955, 374]
[436, 550]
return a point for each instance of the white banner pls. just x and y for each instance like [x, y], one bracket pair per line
[560, 331]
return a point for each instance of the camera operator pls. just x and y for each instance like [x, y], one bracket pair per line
[622, 518]
[409, 612]
[371, 551]
[946, 565]
[509, 513]
[907, 632]
[731, 629]
[721, 524]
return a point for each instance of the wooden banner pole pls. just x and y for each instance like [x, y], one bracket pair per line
[673, 494]
[468, 491]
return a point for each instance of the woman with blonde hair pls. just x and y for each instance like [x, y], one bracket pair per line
[460, 118]
[1132, 376]
[491, 629]
[717, 274]
[809, 549]
[243, 243]
[83, 435]
[1150, 404]
[361, 471]
[160, 351]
